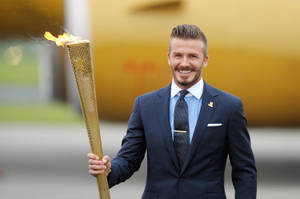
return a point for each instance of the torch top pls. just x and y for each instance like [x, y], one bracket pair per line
[77, 42]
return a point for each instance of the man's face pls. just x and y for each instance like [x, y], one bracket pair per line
[186, 58]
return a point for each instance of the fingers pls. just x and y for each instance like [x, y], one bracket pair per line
[108, 165]
[96, 172]
[94, 159]
[106, 160]
[97, 169]
[97, 166]
[96, 162]
[93, 156]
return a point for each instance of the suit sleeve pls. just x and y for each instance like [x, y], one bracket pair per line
[241, 155]
[132, 152]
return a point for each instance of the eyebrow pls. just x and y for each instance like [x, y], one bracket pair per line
[196, 54]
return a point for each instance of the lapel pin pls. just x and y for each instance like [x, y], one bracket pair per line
[211, 104]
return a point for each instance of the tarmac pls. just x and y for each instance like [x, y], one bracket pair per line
[49, 161]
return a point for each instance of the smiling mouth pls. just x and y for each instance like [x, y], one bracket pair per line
[184, 71]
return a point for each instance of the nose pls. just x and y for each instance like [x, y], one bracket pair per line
[185, 61]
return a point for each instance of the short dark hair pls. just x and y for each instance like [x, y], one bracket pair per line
[187, 31]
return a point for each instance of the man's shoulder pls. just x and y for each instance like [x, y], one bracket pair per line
[148, 99]
[159, 92]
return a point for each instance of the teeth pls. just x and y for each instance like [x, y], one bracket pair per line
[184, 71]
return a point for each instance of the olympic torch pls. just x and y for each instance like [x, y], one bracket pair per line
[82, 67]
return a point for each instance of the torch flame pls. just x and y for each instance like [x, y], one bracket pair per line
[61, 39]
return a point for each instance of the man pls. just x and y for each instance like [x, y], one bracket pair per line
[189, 129]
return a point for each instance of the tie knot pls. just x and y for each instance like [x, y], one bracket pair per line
[183, 94]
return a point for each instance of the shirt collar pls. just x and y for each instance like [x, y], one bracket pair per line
[196, 90]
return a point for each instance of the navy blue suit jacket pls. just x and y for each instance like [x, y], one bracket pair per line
[202, 175]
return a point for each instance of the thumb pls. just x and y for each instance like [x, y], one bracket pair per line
[106, 159]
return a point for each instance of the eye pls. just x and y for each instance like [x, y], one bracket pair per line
[177, 55]
[193, 56]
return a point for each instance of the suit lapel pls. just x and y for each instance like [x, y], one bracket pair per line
[163, 115]
[207, 110]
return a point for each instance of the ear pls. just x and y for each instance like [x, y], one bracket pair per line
[205, 61]
[169, 60]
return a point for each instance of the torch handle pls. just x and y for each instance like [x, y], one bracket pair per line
[82, 68]
[92, 125]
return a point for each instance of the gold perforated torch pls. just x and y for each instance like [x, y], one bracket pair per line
[82, 67]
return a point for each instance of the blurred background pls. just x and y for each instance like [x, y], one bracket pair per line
[254, 54]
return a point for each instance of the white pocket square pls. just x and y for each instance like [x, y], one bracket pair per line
[214, 124]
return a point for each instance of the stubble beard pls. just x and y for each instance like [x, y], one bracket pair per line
[187, 83]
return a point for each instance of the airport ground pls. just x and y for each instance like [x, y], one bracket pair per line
[49, 161]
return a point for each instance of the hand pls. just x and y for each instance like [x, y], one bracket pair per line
[97, 166]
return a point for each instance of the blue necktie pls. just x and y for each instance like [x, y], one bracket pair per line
[181, 128]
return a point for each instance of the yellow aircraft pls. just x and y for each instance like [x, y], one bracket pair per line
[253, 48]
